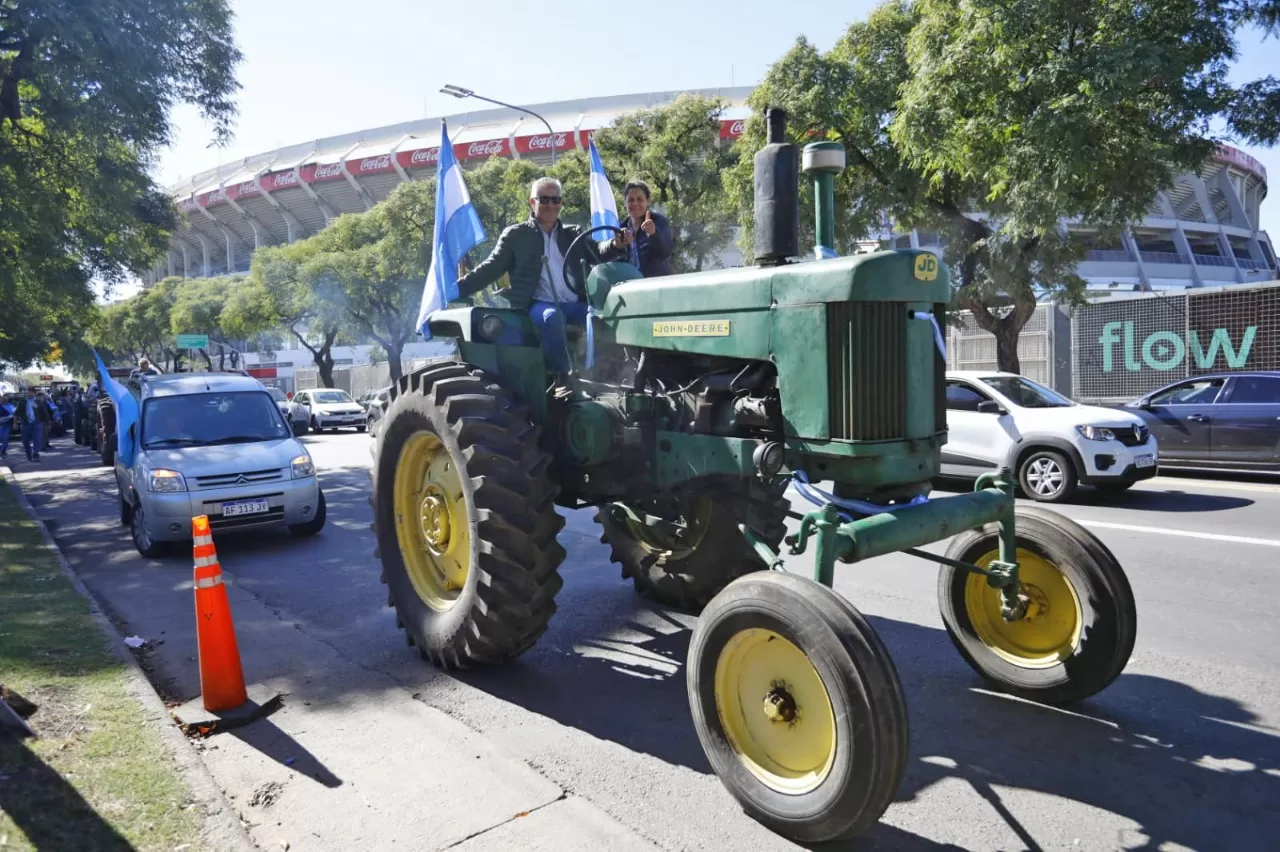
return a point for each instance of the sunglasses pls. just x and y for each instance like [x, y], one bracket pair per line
[548, 199]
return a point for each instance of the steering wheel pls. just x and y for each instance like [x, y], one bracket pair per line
[581, 292]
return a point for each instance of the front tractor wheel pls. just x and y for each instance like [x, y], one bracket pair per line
[684, 556]
[798, 707]
[464, 518]
[1081, 619]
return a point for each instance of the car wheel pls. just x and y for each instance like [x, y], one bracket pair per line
[315, 426]
[142, 540]
[301, 427]
[1047, 476]
[126, 513]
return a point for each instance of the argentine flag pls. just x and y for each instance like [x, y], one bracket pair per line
[458, 230]
[604, 210]
[126, 411]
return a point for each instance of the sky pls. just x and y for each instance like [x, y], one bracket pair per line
[316, 68]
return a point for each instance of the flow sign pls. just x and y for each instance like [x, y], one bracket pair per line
[193, 341]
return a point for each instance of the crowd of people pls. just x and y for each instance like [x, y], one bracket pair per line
[39, 414]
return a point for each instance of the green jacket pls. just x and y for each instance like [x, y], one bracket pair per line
[518, 254]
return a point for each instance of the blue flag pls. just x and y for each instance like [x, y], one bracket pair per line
[458, 231]
[126, 411]
[604, 210]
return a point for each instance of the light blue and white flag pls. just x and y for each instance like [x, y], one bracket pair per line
[458, 231]
[604, 210]
[126, 411]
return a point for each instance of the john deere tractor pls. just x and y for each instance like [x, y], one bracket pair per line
[697, 400]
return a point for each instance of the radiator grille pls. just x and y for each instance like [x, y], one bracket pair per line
[248, 477]
[866, 370]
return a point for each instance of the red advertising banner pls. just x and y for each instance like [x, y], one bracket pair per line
[543, 142]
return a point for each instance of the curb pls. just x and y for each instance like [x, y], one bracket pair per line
[222, 828]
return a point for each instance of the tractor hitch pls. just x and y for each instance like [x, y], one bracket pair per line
[907, 528]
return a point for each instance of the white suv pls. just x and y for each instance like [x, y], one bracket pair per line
[1050, 443]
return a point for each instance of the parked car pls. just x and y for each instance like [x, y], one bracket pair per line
[295, 415]
[330, 408]
[376, 408]
[1051, 443]
[1220, 420]
[213, 444]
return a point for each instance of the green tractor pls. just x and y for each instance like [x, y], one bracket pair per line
[707, 396]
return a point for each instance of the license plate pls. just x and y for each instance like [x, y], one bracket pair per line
[1147, 460]
[244, 507]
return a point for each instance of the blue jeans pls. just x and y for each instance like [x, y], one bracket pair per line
[550, 321]
[6, 432]
[32, 439]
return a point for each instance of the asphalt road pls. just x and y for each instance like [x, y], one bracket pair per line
[1181, 752]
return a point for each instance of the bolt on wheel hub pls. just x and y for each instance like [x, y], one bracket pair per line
[779, 705]
[434, 516]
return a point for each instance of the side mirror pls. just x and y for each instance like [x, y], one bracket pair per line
[1144, 404]
[990, 406]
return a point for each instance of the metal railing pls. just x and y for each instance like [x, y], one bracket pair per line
[1162, 257]
[1213, 260]
[1109, 255]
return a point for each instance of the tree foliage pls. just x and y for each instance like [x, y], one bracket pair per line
[86, 91]
[1034, 113]
[676, 149]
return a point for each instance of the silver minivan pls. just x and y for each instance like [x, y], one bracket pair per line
[213, 444]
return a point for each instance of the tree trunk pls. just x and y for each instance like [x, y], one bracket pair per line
[1007, 347]
[1006, 329]
[395, 358]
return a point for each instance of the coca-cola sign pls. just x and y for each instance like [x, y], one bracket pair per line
[425, 157]
[375, 164]
[546, 140]
[732, 129]
[737, 127]
[490, 148]
[247, 188]
[283, 179]
[215, 197]
[328, 171]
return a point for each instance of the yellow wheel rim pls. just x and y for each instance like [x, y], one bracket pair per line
[775, 711]
[1050, 631]
[433, 527]
[660, 543]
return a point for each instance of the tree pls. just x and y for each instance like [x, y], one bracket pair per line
[993, 123]
[676, 149]
[277, 294]
[86, 92]
[197, 309]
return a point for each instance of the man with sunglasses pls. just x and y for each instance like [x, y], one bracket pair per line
[533, 254]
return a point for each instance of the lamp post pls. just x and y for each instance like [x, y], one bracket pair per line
[459, 92]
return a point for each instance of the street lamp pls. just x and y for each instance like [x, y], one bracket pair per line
[459, 92]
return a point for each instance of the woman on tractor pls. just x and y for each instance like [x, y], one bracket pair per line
[651, 245]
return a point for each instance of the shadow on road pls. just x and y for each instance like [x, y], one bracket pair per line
[1172, 500]
[264, 737]
[1184, 765]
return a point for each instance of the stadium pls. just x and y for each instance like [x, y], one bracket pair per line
[1201, 232]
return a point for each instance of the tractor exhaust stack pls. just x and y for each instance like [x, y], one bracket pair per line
[777, 194]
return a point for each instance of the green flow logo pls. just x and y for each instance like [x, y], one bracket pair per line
[1165, 350]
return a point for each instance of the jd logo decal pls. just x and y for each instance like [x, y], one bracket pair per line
[926, 267]
[1165, 350]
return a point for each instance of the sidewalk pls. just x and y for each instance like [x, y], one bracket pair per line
[351, 760]
[108, 770]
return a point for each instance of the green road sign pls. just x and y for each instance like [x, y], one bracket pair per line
[193, 341]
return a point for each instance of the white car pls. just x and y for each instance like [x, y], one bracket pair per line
[1051, 443]
[331, 408]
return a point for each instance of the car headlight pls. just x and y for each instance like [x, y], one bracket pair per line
[302, 467]
[1096, 433]
[167, 481]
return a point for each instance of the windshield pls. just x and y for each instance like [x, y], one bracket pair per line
[330, 397]
[211, 418]
[1026, 393]
[277, 394]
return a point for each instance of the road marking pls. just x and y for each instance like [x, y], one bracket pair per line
[1233, 539]
[1219, 484]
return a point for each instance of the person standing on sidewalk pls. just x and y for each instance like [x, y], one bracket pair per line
[7, 410]
[35, 420]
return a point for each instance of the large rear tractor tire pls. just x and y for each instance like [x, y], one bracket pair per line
[798, 707]
[464, 518]
[1081, 622]
[687, 570]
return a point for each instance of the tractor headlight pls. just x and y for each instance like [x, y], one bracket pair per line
[1096, 433]
[302, 467]
[491, 326]
[167, 481]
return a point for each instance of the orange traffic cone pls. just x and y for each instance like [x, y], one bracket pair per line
[221, 678]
